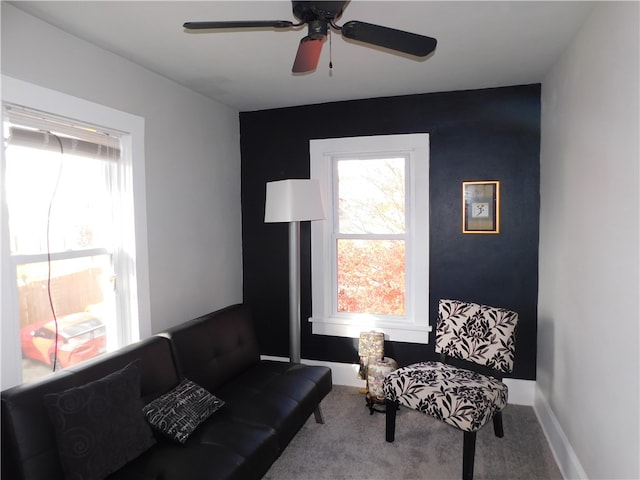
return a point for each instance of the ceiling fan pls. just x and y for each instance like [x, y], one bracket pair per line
[320, 16]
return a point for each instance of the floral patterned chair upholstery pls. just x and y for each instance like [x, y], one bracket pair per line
[461, 397]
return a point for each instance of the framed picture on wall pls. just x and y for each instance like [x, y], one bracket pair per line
[481, 206]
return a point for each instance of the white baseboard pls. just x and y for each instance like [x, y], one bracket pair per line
[565, 456]
[521, 392]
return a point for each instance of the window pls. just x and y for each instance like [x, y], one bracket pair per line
[74, 284]
[370, 256]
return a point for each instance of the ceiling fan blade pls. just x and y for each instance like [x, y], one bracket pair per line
[386, 37]
[239, 24]
[308, 54]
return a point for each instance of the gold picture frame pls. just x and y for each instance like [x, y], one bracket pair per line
[481, 207]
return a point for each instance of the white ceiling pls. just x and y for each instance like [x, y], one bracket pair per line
[480, 45]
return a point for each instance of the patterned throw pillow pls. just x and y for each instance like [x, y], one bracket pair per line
[99, 426]
[178, 412]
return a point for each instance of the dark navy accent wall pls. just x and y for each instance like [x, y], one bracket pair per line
[491, 134]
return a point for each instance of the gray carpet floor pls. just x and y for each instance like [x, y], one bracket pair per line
[351, 445]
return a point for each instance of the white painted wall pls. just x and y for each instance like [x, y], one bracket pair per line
[192, 162]
[588, 377]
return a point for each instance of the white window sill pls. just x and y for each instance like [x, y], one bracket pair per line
[393, 331]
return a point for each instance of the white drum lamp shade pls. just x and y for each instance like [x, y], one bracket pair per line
[293, 201]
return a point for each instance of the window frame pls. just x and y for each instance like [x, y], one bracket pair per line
[325, 319]
[132, 186]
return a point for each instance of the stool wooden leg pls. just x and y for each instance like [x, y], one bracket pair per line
[391, 407]
[468, 455]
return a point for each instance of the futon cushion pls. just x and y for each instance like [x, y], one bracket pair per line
[99, 426]
[178, 412]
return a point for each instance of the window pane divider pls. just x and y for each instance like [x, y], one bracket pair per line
[372, 236]
[53, 256]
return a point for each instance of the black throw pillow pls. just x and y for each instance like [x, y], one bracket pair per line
[100, 426]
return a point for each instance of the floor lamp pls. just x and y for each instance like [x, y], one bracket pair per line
[293, 201]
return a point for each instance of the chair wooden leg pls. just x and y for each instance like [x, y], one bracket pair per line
[468, 455]
[497, 425]
[391, 407]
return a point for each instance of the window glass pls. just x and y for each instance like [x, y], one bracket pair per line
[371, 276]
[370, 240]
[62, 240]
[57, 201]
[371, 196]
